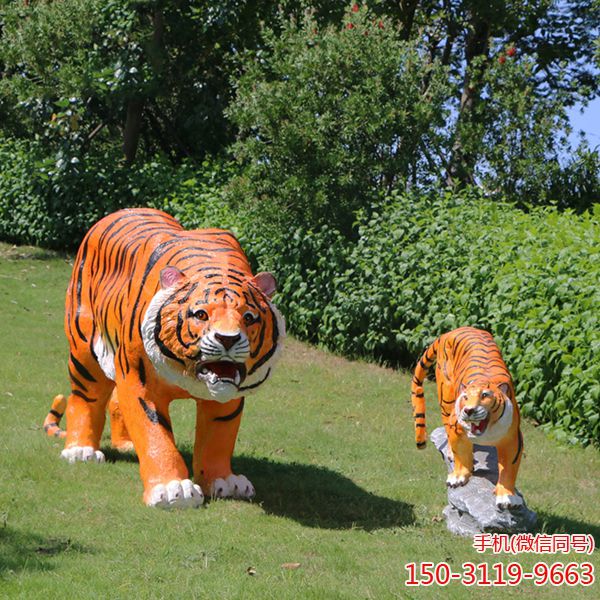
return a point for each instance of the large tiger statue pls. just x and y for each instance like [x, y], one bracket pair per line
[154, 313]
[477, 399]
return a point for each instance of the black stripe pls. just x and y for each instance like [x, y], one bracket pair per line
[519, 448]
[419, 415]
[82, 395]
[419, 425]
[142, 372]
[421, 444]
[81, 369]
[156, 255]
[251, 291]
[421, 395]
[76, 381]
[227, 290]
[161, 345]
[270, 353]
[78, 290]
[189, 293]
[55, 413]
[254, 385]
[232, 415]
[155, 416]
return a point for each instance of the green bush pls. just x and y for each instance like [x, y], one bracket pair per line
[52, 202]
[422, 266]
[332, 119]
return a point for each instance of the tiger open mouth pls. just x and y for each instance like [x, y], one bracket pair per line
[223, 371]
[479, 427]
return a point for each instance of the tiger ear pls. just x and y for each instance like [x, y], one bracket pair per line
[266, 283]
[461, 388]
[505, 389]
[169, 276]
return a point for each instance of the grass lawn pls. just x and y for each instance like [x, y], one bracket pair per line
[341, 489]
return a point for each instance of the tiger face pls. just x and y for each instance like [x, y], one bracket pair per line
[484, 410]
[213, 335]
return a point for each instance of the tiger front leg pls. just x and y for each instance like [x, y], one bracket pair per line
[462, 449]
[217, 427]
[162, 469]
[509, 459]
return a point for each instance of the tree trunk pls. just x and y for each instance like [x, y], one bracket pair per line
[462, 161]
[133, 126]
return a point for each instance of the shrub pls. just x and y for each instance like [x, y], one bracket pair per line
[420, 266]
[52, 202]
[331, 119]
[423, 265]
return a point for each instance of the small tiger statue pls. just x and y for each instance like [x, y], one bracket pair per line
[477, 399]
[154, 313]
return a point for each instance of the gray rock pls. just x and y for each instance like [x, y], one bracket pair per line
[472, 507]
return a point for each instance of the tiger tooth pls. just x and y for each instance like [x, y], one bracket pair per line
[237, 378]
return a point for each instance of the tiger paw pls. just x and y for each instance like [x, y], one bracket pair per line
[453, 480]
[233, 486]
[179, 493]
[124, 447]
[507, 501]
[75, 454]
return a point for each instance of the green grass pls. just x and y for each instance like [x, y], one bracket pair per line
[329, 446]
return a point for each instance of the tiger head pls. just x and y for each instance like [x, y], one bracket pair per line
[216, 335]
[484, 410]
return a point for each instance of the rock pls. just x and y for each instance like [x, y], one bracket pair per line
[472, 507]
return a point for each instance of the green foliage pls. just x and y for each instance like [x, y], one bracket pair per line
[52, 202]
[331, 119]
[521, 134]
[423, 265]
[71, 68]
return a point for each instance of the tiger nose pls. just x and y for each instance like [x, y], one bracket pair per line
[227, 341]
[468, 410]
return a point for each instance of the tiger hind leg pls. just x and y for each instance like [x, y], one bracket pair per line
[86, 406]
[119, 436]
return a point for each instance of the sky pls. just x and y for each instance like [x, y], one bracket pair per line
[588, 121]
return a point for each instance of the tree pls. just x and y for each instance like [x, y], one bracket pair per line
[124, 72]
[331, 119]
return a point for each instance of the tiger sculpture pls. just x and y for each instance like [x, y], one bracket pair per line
[477, 399]
[154, 313]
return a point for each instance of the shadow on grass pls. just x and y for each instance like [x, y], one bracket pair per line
[29, 253]
[549, 523]
[30, 551]
[318, 497]
[111, 455]
[312, 495]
